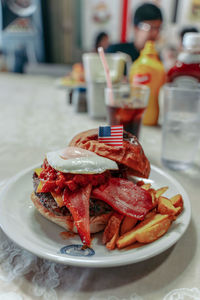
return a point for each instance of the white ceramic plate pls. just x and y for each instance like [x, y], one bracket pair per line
[25, 226]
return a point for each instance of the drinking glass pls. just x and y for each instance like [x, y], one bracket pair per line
[181, 126]
[125, 106]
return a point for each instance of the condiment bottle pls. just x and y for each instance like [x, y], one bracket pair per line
[149, 70]
[79, 99]
[186, 71]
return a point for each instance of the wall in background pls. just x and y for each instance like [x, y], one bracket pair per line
[70, 26]
[109, 18]
[62, 30]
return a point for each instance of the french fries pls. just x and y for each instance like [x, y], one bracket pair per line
[122, 232]
[177, 200]
[127, 224]
[142, 231]
[111, 232]
[165, 206]
[154, 232]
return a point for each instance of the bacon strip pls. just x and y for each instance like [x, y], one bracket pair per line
[78, 204]
[125, 197]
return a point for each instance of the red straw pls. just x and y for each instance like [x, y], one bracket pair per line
[107, 71]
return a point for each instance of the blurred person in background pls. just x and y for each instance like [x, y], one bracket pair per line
[170, 52]
[147, 22]
[102, 40]
[3, 66]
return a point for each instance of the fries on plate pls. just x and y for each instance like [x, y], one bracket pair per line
[124, 232]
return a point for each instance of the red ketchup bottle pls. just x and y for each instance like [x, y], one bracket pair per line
[186, 71]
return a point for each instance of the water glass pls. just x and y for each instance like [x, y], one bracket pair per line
[181, 126]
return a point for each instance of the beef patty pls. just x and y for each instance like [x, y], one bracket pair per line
[97, 207]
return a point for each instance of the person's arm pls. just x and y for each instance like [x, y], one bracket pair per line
[112, 49]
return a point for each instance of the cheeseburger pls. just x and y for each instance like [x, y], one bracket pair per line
[81, 186]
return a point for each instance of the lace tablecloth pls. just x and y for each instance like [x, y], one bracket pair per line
[35, 118]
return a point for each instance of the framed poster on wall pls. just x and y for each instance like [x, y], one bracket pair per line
[98, 16]
[188, 12]
[194, 11]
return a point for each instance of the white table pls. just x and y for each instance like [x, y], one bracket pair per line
[36, 118]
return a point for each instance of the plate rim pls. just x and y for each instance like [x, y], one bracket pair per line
[100, 262]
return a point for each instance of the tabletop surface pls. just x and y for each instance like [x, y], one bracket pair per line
[36, 117]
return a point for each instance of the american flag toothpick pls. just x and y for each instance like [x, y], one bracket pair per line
[111, 135]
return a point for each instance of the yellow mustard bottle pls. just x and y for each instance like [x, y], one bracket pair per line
[149, 70]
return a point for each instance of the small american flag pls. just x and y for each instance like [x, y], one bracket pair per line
[111, 135]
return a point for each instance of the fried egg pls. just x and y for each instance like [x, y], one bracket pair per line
[79, 161]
